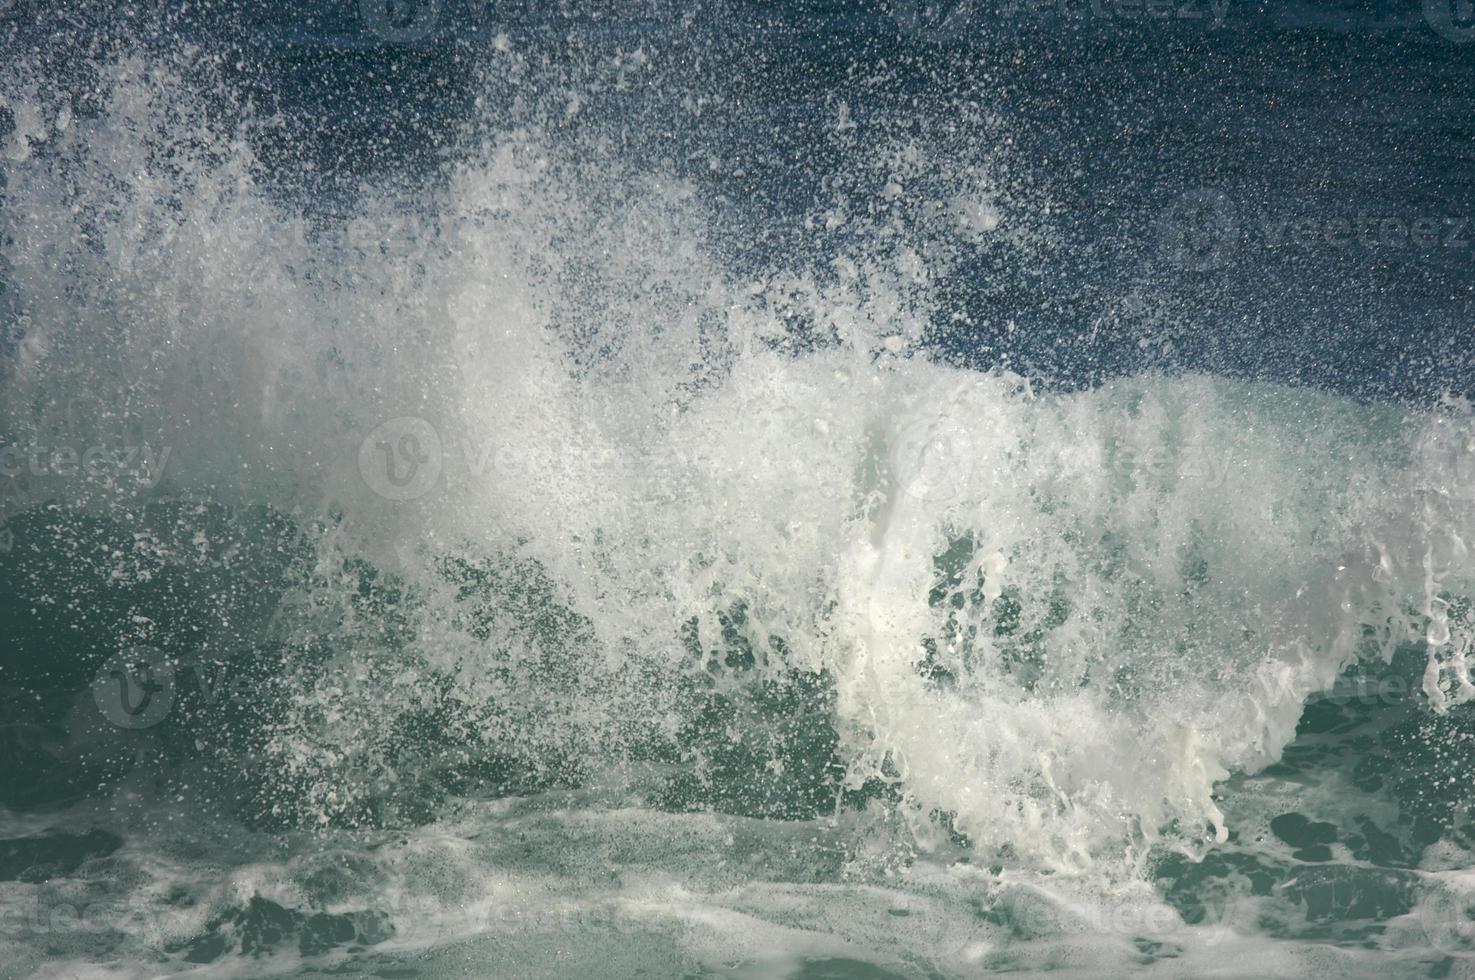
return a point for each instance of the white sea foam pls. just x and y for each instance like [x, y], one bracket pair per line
[1062, 617]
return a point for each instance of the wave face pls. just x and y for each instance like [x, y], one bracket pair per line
[522, 490]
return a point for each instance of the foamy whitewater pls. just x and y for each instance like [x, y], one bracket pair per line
[491, 568]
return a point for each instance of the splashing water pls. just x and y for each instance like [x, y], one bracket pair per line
[483, 507]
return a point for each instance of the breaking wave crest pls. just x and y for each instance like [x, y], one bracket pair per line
[524, 475]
